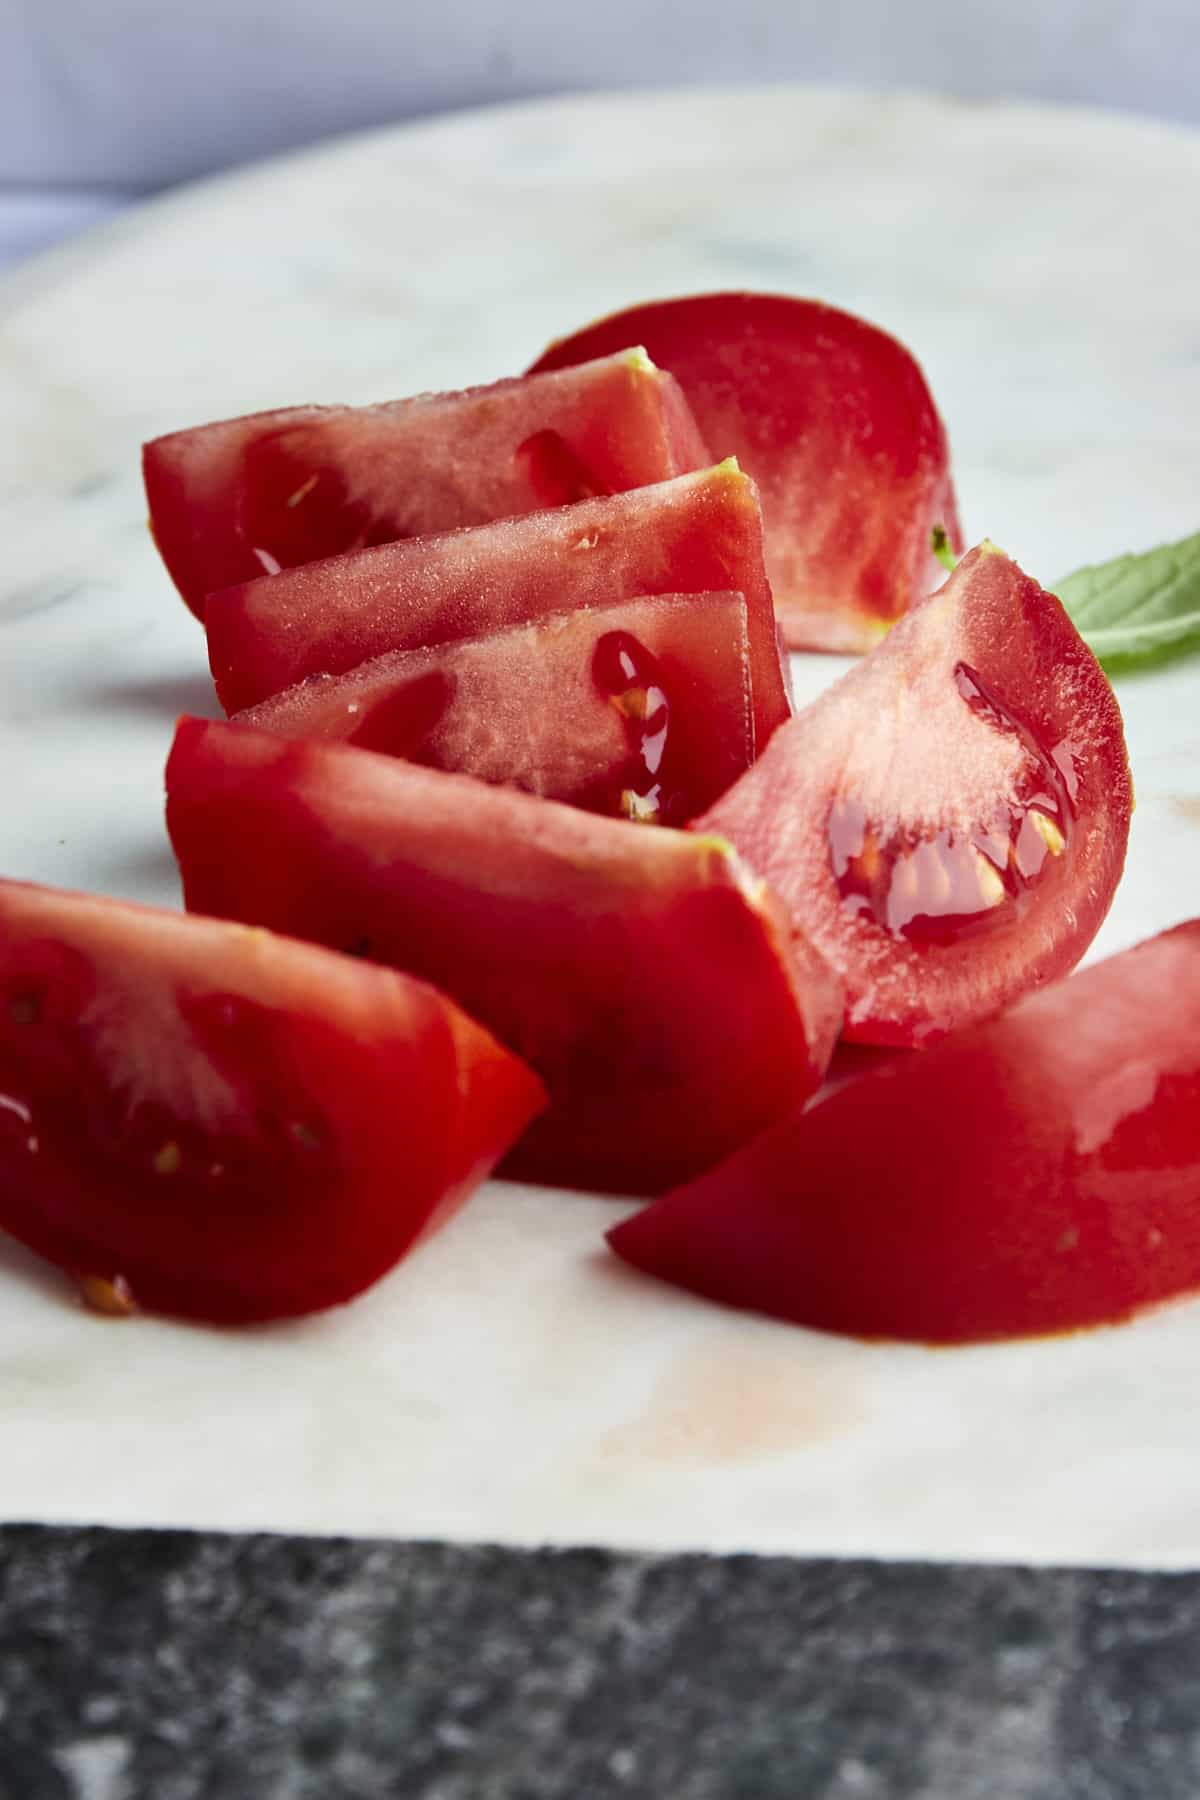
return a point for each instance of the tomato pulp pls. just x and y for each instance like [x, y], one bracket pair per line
[644, 974]
[835, 422]
[225, 1124]
[948, 822]
[640, 710]
[1036, 1173]
[249, 496]
[699, 533]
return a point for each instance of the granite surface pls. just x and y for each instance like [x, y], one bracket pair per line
[510, 1381]
[173, 1666]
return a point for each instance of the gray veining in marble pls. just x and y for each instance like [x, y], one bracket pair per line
[137, 1666]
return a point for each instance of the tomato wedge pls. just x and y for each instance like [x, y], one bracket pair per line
[948, 822]
[834, 421]
[224, 1124]
[1036, 1173]
[699, 533]
[248, 496]
[640, 710]
[643, 974]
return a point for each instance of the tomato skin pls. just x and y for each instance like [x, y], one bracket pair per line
[699, 533]
[640, 708]
[233, 1126]
[834, 420]
[1037, 1173]
[651, 985]
[230, 499]
[925, 746]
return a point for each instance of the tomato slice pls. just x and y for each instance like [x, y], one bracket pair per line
[834, 421]
[948, 822]
[700, 533]
[224, 1124]
[640, 710]
[1036, 1173]
[643, 974]
[248, 496]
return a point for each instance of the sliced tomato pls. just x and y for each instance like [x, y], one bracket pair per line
[948, 822]
[224, 1124]
[700, 533]
[834, 421]
[644, 975]
[248, 496]
[1036, 1173]
[640, 710]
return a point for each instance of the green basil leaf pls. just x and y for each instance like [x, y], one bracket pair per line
[1138, 608]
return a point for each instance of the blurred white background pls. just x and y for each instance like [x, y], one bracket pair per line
[105, 99]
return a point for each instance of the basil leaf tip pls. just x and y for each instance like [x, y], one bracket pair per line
[1138, 608]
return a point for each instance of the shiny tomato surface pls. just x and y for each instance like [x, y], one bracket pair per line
[699, 533]
[248, 496]
[948, 822]
[224, 1124]
[835, 422]
[1036, 1173]
[639, 710]
[642, 972]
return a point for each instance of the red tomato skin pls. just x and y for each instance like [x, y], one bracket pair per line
[229, 500]
[651, 985]
[237, 1127]
[900, 733]
[1038, 1173]
[699, 533]
[835, 422]
[641, 705]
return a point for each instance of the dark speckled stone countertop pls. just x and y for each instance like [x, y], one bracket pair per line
[177, 1666]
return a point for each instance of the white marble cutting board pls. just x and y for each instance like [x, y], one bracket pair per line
[511, 1381]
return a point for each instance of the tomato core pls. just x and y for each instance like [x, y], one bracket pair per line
[940, 885]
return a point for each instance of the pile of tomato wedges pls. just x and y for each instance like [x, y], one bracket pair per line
[512, 853]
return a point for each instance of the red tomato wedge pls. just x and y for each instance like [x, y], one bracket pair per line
[834, 421]
[948, 822]
[699, 533]
[228, 1125]
[639, 710]
[1036, 1173]
[248, 496]
[644, 975]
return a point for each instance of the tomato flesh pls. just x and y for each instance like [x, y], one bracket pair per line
[1036, 1173]
[834, 421]
[249, 496]
[948, 822]
[639, 710]
[224, 1124]
[699, 533]
[649, 982]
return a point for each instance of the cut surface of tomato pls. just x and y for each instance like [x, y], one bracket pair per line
[639, 710]
[224, 1124]
[835, 422]
[699, 533]
[248, 496]
[649, 981]
[948, 822]
[1036, 1173]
